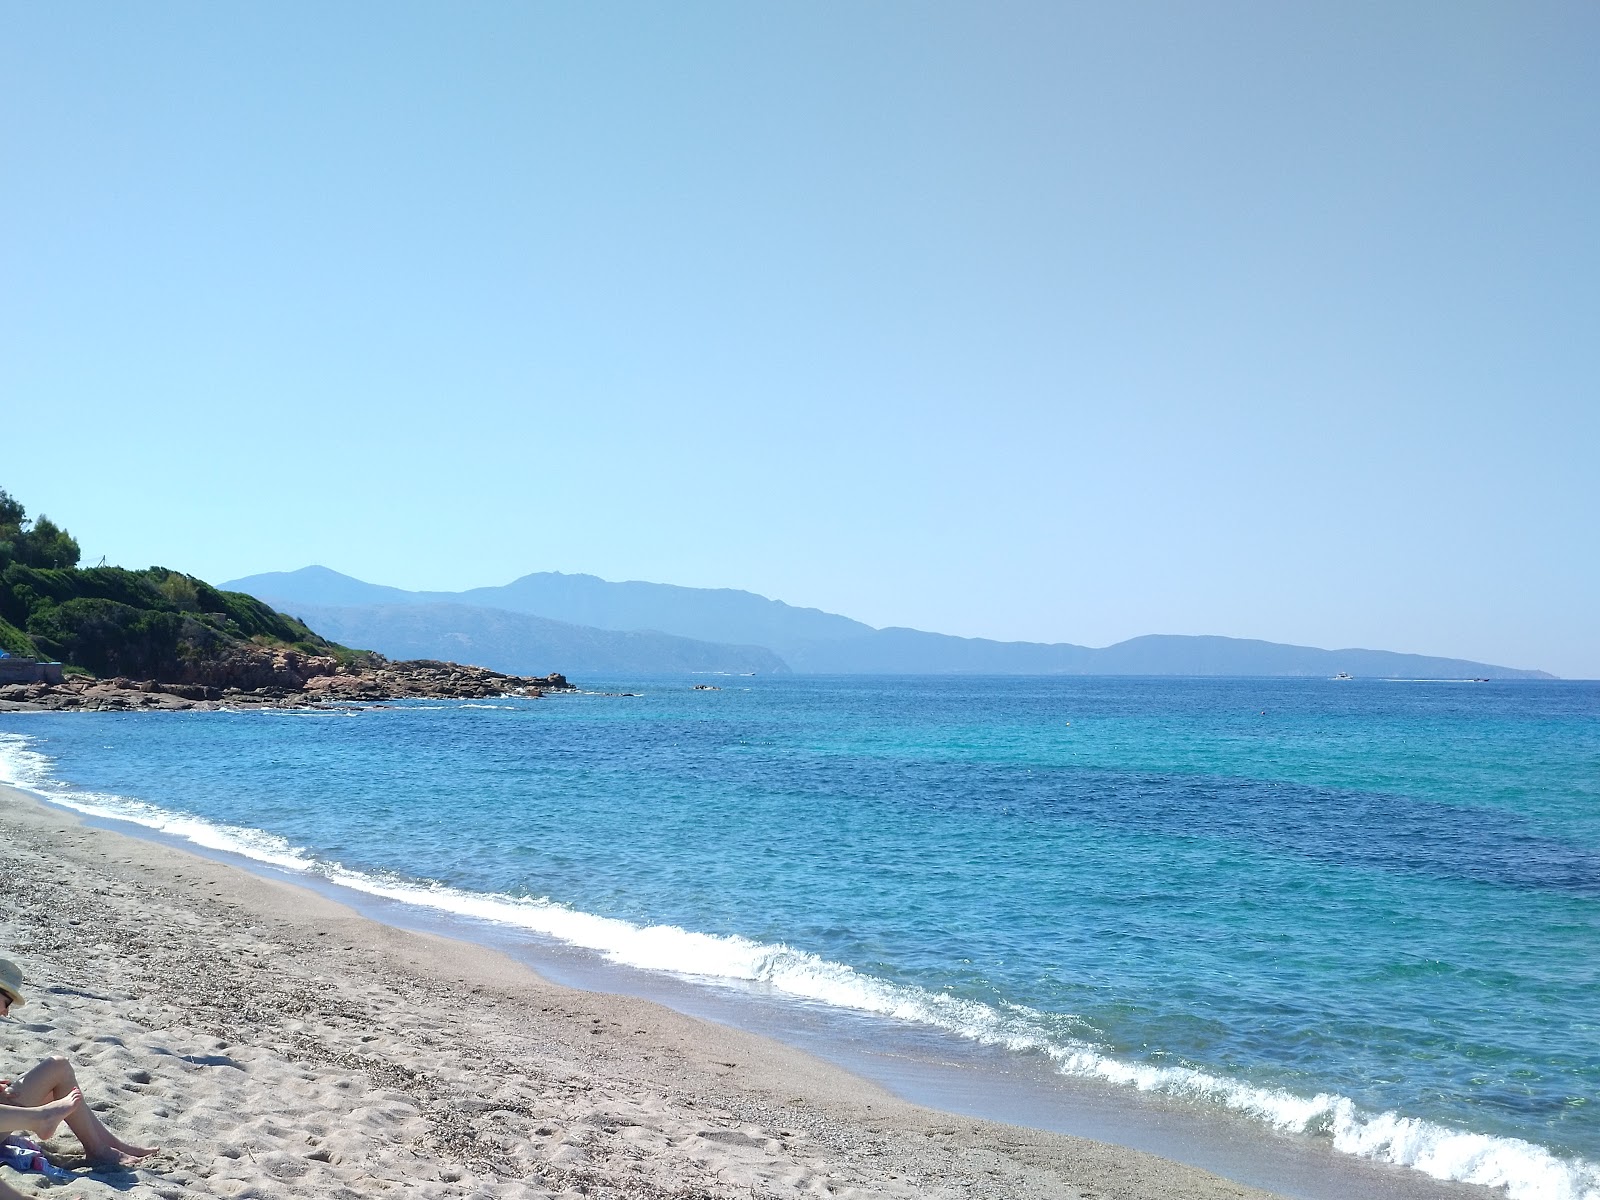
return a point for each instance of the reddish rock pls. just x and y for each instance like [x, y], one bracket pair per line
[257, 677]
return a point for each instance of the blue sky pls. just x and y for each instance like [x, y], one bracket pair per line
[1048, 321]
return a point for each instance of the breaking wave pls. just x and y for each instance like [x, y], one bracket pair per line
[1526, 1171]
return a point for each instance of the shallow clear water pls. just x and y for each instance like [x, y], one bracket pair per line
[1366, 910]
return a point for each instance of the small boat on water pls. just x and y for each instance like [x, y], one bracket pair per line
[1343, 675]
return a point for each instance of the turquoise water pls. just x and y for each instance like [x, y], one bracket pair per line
[1368, 911]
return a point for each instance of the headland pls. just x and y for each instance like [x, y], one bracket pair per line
[280, 679]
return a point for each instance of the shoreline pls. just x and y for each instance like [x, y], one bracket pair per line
[870, 1090]
[264, 1034]
[928, 1067]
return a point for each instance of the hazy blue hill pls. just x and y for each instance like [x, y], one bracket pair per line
[520, 644]
[723, 615]
[319, 585]
[910, 651]
[896, 651]
[1163, 654]
[710, 614]
[807, 639]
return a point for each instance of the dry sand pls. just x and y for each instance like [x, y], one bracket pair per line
[275, 1043]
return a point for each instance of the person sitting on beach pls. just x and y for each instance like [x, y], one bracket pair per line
[49, 1095]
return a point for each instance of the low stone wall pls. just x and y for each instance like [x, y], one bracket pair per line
[26, 670]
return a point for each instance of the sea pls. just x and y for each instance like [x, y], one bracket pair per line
[1358, 916]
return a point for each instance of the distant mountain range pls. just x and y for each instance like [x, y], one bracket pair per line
[467, 633]
[580, 624]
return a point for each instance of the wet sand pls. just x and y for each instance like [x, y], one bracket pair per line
[275, 1042]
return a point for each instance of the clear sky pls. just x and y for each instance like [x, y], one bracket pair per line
[1051, 321]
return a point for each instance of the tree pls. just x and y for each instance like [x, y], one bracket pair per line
[12, 515]
[38, 543]
[48, 545]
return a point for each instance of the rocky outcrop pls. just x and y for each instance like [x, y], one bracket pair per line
[246, 668]
[262, 678]
[427, 679]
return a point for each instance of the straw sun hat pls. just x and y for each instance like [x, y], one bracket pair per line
[11, 982]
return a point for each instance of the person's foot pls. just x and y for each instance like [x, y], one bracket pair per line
[131, 1157]
[136, 1152]
[46, 1118]
[117, 1153]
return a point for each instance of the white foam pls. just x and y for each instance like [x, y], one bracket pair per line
[20, 766]
[23, 767]
[1526, 1171]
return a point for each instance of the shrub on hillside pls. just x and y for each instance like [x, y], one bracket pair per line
[150, 624]
[36, 543]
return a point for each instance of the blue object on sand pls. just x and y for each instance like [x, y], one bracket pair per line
[22, 1153]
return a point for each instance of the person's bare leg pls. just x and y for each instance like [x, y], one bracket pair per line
[41, 1120]
[53, 1080]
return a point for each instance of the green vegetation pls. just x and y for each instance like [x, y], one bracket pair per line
[37, 543]
[13, 640]
[150, 624]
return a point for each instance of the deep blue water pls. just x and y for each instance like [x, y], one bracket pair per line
[1367, 910]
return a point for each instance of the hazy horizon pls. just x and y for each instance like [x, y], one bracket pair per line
[449, 592]
[1032, 321]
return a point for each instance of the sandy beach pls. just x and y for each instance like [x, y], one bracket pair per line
[275, 1043]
